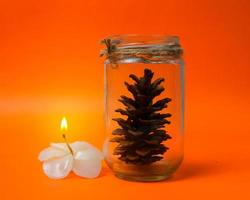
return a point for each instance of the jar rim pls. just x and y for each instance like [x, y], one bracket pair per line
[149, 48]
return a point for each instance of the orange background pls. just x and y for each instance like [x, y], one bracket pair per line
[50, 67]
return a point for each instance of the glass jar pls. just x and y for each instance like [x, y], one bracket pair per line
[144, 106]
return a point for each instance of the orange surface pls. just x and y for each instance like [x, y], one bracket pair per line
[50, 67]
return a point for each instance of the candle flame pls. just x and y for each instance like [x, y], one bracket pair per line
[64, 124]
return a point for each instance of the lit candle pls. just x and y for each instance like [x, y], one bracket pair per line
[59, 159]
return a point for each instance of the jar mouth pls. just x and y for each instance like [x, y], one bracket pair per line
[143, 48]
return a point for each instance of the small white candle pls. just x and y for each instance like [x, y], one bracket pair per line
[59, 159]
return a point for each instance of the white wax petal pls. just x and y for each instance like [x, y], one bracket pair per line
[82, 146]
[51, 153]
[87, 164]
[62, 146]
[58, 168]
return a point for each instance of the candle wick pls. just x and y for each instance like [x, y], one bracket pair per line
[69, 147]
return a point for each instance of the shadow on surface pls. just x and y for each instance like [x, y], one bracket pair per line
[198, 169]
[105, 171]
[191, 169]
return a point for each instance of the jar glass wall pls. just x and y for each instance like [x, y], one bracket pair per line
[144, 106]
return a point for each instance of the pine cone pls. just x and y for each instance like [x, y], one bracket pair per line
[140, 135]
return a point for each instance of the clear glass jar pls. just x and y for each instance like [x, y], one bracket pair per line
[144, 106]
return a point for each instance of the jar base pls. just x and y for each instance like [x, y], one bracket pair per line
[146, 173]
[142, 179]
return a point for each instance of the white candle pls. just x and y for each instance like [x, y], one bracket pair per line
[59, 159]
